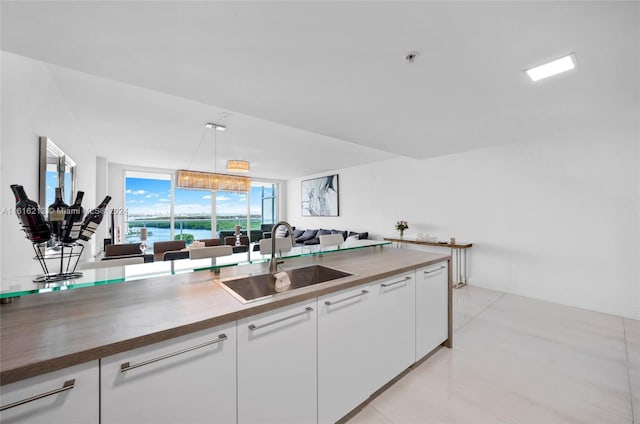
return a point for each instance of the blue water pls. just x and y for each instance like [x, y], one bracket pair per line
[163, 234]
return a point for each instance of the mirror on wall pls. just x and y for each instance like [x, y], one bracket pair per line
[56, 170]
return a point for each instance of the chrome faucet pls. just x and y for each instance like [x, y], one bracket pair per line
[273, 263]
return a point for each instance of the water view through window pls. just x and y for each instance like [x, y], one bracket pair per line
[51, 180]
[148, 201]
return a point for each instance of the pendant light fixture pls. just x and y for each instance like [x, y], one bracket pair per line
[237, 166]
[213, 180]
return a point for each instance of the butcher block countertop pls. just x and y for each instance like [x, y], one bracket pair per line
[47, 332]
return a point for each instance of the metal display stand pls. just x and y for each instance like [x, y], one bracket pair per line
[68, 255]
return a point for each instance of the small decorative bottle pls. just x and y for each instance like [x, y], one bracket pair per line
[237, 233]
[143, 239]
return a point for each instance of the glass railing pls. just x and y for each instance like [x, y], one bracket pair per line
[11, 287]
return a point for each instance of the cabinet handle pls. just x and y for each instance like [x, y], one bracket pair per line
[393, 284]
[436, 270]
[257, 327]
[362, 293]
[126, 366]
[68, 385]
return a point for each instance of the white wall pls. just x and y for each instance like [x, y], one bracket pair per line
[557, 220]
[32, 106]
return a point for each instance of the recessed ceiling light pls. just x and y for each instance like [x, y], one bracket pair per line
[411, 56]
[554, 67]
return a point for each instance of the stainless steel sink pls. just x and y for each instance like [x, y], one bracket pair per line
[257, 287]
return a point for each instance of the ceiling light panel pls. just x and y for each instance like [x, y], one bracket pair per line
[565, 63]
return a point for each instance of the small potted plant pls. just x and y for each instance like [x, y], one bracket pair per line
[401, 226]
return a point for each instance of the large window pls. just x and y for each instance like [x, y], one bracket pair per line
[264, 203]
[192, 214]
[147, 200]
[231, 210]
[171, 213]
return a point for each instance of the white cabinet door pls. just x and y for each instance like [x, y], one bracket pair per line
[432, 304]
[394, 323]
[68, 396]
[346, 351]
[277, 353]
[189, 379]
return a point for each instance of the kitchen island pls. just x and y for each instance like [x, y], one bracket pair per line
[54, 332]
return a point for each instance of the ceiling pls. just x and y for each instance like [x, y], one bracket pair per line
[314, 86]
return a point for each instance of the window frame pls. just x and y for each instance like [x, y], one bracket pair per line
[277, 198]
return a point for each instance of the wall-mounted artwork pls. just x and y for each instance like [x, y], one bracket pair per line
[320, 196]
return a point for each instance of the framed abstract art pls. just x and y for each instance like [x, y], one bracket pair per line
[320, 196]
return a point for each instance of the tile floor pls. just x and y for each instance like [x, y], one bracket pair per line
[520, 360]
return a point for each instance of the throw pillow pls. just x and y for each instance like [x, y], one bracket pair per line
[307, 235]
[351, 239]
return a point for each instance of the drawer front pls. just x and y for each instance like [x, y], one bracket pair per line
[394, 323]
[346, 351]
[277, 353]
[69, 396]
[189, 379]
[432, 302]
